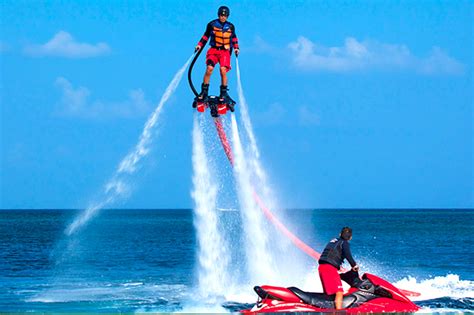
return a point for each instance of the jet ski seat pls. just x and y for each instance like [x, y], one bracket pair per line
[317, 299]
[366, 292]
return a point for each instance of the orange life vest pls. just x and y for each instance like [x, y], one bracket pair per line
[222, 36]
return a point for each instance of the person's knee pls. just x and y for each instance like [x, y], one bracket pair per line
[210, 63]
[223, 71]
[209, 69]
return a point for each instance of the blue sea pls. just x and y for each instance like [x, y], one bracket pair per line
[148, 260]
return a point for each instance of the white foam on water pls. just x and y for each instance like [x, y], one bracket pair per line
[203, 309]
[117, 186]
[260, 264]
[242, 293]
[132, 284]
[443, 311]
[443, 286]
[212, 252]
[105, 292]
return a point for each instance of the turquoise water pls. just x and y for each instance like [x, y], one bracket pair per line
[146, 260]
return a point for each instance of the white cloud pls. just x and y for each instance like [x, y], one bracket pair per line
[76, 102]
[64, 45]
[360, 55]
[440, 62]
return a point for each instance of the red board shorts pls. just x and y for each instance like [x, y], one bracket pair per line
[220, 56]
[330, 279]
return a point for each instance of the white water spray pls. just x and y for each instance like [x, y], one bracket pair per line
[117, 187]
[260, 263]
[212, 252]
[290, 266]
[254, 158]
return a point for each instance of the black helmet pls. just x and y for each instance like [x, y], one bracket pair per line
[223, 10]
[346, 233]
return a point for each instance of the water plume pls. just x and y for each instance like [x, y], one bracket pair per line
[117, 187]
[212, 252]
[254, 158]
[290, 266]
[261, 266]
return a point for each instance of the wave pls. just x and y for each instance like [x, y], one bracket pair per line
[438, 287]
[441, 294]
[447, 305]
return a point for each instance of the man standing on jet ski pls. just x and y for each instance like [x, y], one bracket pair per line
[221, 34]
[330, 262]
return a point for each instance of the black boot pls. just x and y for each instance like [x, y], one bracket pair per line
[204, 90]
[223, 96]
[202, 97]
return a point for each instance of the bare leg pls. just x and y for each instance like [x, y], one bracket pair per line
[207, 75]
[338, 300]
[224, 76]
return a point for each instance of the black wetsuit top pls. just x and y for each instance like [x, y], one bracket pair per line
[335, 252]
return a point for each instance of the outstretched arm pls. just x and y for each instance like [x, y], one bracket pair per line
[346, 251]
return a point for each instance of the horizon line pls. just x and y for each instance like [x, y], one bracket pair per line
[190, 209]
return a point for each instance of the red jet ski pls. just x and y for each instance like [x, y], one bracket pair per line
[369, 294]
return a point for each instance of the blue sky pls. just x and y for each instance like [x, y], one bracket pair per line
[354, 103]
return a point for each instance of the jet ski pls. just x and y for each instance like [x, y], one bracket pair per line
[217, 105]
[369, 294]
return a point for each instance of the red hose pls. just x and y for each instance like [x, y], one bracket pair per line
[224, 141]
[299, 243]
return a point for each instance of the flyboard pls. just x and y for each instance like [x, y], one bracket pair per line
[219, 107]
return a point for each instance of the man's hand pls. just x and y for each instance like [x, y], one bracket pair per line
[197, 48]
[355, 268]
[236, 52]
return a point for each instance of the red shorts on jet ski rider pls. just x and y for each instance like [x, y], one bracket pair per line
[222, 39]
[330, 262]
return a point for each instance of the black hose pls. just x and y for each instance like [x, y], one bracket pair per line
[190, 70]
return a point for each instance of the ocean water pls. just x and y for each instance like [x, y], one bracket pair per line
[147, 260]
